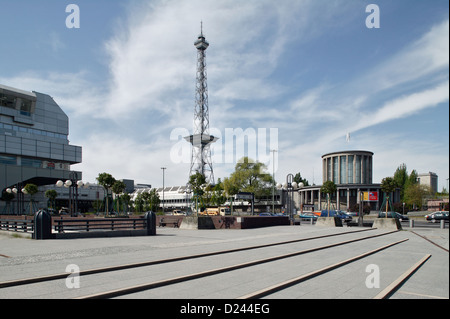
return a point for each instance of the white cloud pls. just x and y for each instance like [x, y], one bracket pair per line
[405, 106]
[425, 56]
[127, 119]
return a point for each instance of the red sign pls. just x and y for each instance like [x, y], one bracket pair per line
[370, 196]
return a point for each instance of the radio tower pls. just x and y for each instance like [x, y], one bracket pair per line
[201, 139]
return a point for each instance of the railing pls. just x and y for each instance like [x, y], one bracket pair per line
[43, 226]
[82, 224]
[22, 225]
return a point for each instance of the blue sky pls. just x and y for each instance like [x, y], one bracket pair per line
[305, 73]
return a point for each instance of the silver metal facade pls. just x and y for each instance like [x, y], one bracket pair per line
[34, 145]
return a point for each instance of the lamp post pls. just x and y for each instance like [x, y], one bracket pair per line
[273, 182]
[73, 183]
[163, 169]
[289, 186]
[17, 190]
[186, 192]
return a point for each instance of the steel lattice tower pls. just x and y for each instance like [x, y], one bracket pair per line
[201, 140]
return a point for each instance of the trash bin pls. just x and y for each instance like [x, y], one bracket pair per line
[42, 225]
[150, 218]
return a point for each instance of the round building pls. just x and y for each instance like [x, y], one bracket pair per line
[352, 172]
[347, 167]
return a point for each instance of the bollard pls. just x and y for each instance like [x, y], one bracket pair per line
[411, 223]
[42, 225]
[442, 224]
[150, 218]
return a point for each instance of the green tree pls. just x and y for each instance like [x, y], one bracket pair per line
[298, 179]
[126, 200]
[218, 194]
[197, 181]
[250, 176]
[329, 187]
[31, 189]
[401, 178]
[51, 194]
[139, 203]
[388, 185]
[151, 200]
[415, 194]
[107, 181]
[117, 188]
[412, 179]
[230, 188]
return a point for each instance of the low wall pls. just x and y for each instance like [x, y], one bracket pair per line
[329, 222]
[232, 222]
[101, 234]
[387, 223]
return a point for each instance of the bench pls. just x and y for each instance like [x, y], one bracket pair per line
[168, 220]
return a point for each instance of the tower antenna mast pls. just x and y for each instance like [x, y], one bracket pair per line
[201, 140]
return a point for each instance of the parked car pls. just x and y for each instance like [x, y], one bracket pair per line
[352, 213]
[435, 216]
[396, 215]
[308, 216]
[337, 213]
[265, 214]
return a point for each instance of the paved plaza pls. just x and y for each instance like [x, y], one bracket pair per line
[23, 258]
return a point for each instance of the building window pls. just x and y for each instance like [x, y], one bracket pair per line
[25, 107]
[329, 173]
[343, 170]
[358, 170]
[350, 169]
[7, 100]
[28, 162]
[8, 160]
[335, 170]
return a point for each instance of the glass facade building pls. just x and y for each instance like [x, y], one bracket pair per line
[34, 145]
[352, 172]
[348, 167]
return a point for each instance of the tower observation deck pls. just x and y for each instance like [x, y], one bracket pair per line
[201, 139]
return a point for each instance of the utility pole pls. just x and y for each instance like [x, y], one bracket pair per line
[273, 177]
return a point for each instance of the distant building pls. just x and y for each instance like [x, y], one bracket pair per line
[181, 198]
[34, 144]
[87, 195]
[352, 172]
[429, 179]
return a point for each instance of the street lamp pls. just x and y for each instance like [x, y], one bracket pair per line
[17, 190]
[289, 186]
[273, 178]
[72, 184]
[163, 169]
